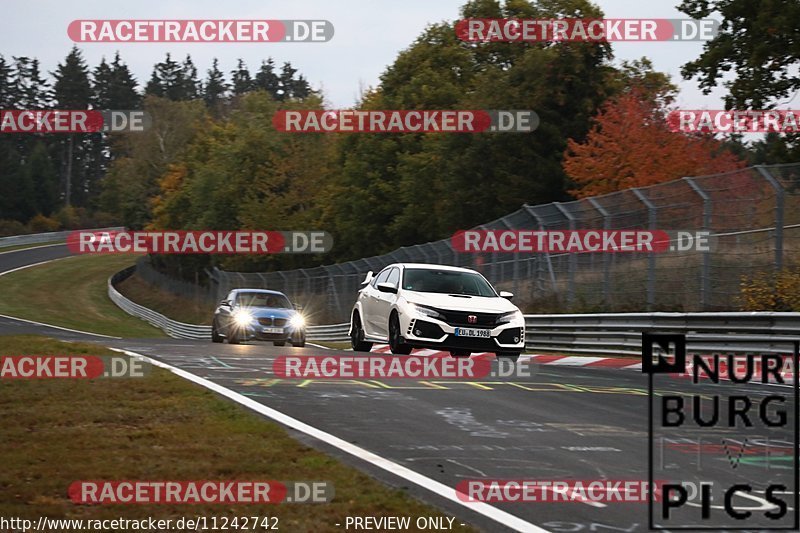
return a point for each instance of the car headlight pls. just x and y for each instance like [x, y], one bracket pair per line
[242, 317]
[426, 311]
[297, 321]
[505, 318]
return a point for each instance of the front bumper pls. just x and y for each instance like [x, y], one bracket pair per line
[432, 333]
[256, 332]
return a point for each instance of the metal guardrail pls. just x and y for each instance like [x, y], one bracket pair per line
[621, 333]
[53, 236]
[181, 330]
[595, 334]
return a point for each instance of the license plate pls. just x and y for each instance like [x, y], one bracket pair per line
[473, 332]
[272, 330]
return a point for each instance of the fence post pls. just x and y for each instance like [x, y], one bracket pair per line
[651, 257]
[606, 257]
[572, 259]
[779, 200]
[705, 273]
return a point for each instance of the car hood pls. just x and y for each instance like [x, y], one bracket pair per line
[270, 312]
[478, 304]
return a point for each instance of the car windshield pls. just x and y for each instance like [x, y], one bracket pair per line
[446, 282]
[260, 299]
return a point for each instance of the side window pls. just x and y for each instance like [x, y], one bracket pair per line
[394, 277]
[232, 297]
[380, 278]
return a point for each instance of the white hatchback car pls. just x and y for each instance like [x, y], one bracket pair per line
[453, 309]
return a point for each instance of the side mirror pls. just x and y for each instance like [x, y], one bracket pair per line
[507, 295]
[225, 303]
[298, 307]
[368, 278]
[387, 287]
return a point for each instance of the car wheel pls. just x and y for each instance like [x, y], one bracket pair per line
[278, 343]
[233, 336]
[301, 342]
[513, 356]
[396, 344]
[459, 353]
[357, 336]
[215, 336]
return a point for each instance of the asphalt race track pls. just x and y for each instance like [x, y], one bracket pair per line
[557, 423]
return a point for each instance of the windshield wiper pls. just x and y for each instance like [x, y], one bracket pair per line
[460, 295]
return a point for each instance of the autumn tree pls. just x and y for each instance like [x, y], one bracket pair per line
[631, 145]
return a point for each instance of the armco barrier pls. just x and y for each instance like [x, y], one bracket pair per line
[36, 238]
[181, 330]
[597, 334]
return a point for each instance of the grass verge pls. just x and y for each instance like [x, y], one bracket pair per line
[159, 427]
[173, 306]
[72, 293]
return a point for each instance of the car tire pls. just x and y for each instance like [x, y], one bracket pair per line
[396, 344]
[278, 343]
[300, 343]
[357, 335]
[215, 336]
[233, 337]
[513, 356]
[460, 353]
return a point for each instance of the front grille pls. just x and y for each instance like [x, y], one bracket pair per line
[459, 318]
[272, 321]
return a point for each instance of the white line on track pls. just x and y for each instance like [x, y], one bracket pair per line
[33, 248]
[502, 517]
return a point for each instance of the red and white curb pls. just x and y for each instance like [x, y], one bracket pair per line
[563, 360]
[559, 360]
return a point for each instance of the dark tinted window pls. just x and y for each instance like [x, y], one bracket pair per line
[260, 299]
[446, 282]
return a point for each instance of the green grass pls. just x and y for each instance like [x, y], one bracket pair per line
[175, 307]
[72, 293]
[159, 427]
[26, 246]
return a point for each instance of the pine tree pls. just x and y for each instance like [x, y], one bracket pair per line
[8, 93]
[123, 93]
[215, 87]
[267, 79]
[167, 80]
[189, 85]
[32, 90]
[241, 79]
[72, 90]
[40, 172]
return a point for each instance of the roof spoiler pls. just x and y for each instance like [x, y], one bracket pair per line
[368, 278]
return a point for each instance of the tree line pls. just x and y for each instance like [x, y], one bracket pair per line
[212, 158]
[52, 181]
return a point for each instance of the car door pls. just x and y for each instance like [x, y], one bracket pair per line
[382, 304]
[368, 303]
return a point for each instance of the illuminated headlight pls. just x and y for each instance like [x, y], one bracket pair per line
[298, 321]
[505, 318]
[426, 311]
[242, 317]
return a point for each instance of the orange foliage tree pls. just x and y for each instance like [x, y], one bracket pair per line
[631, 145]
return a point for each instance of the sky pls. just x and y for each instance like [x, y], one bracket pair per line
[368, 36]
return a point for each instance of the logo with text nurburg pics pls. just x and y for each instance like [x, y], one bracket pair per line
[728, 427]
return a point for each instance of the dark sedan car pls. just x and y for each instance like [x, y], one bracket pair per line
[258, 314]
